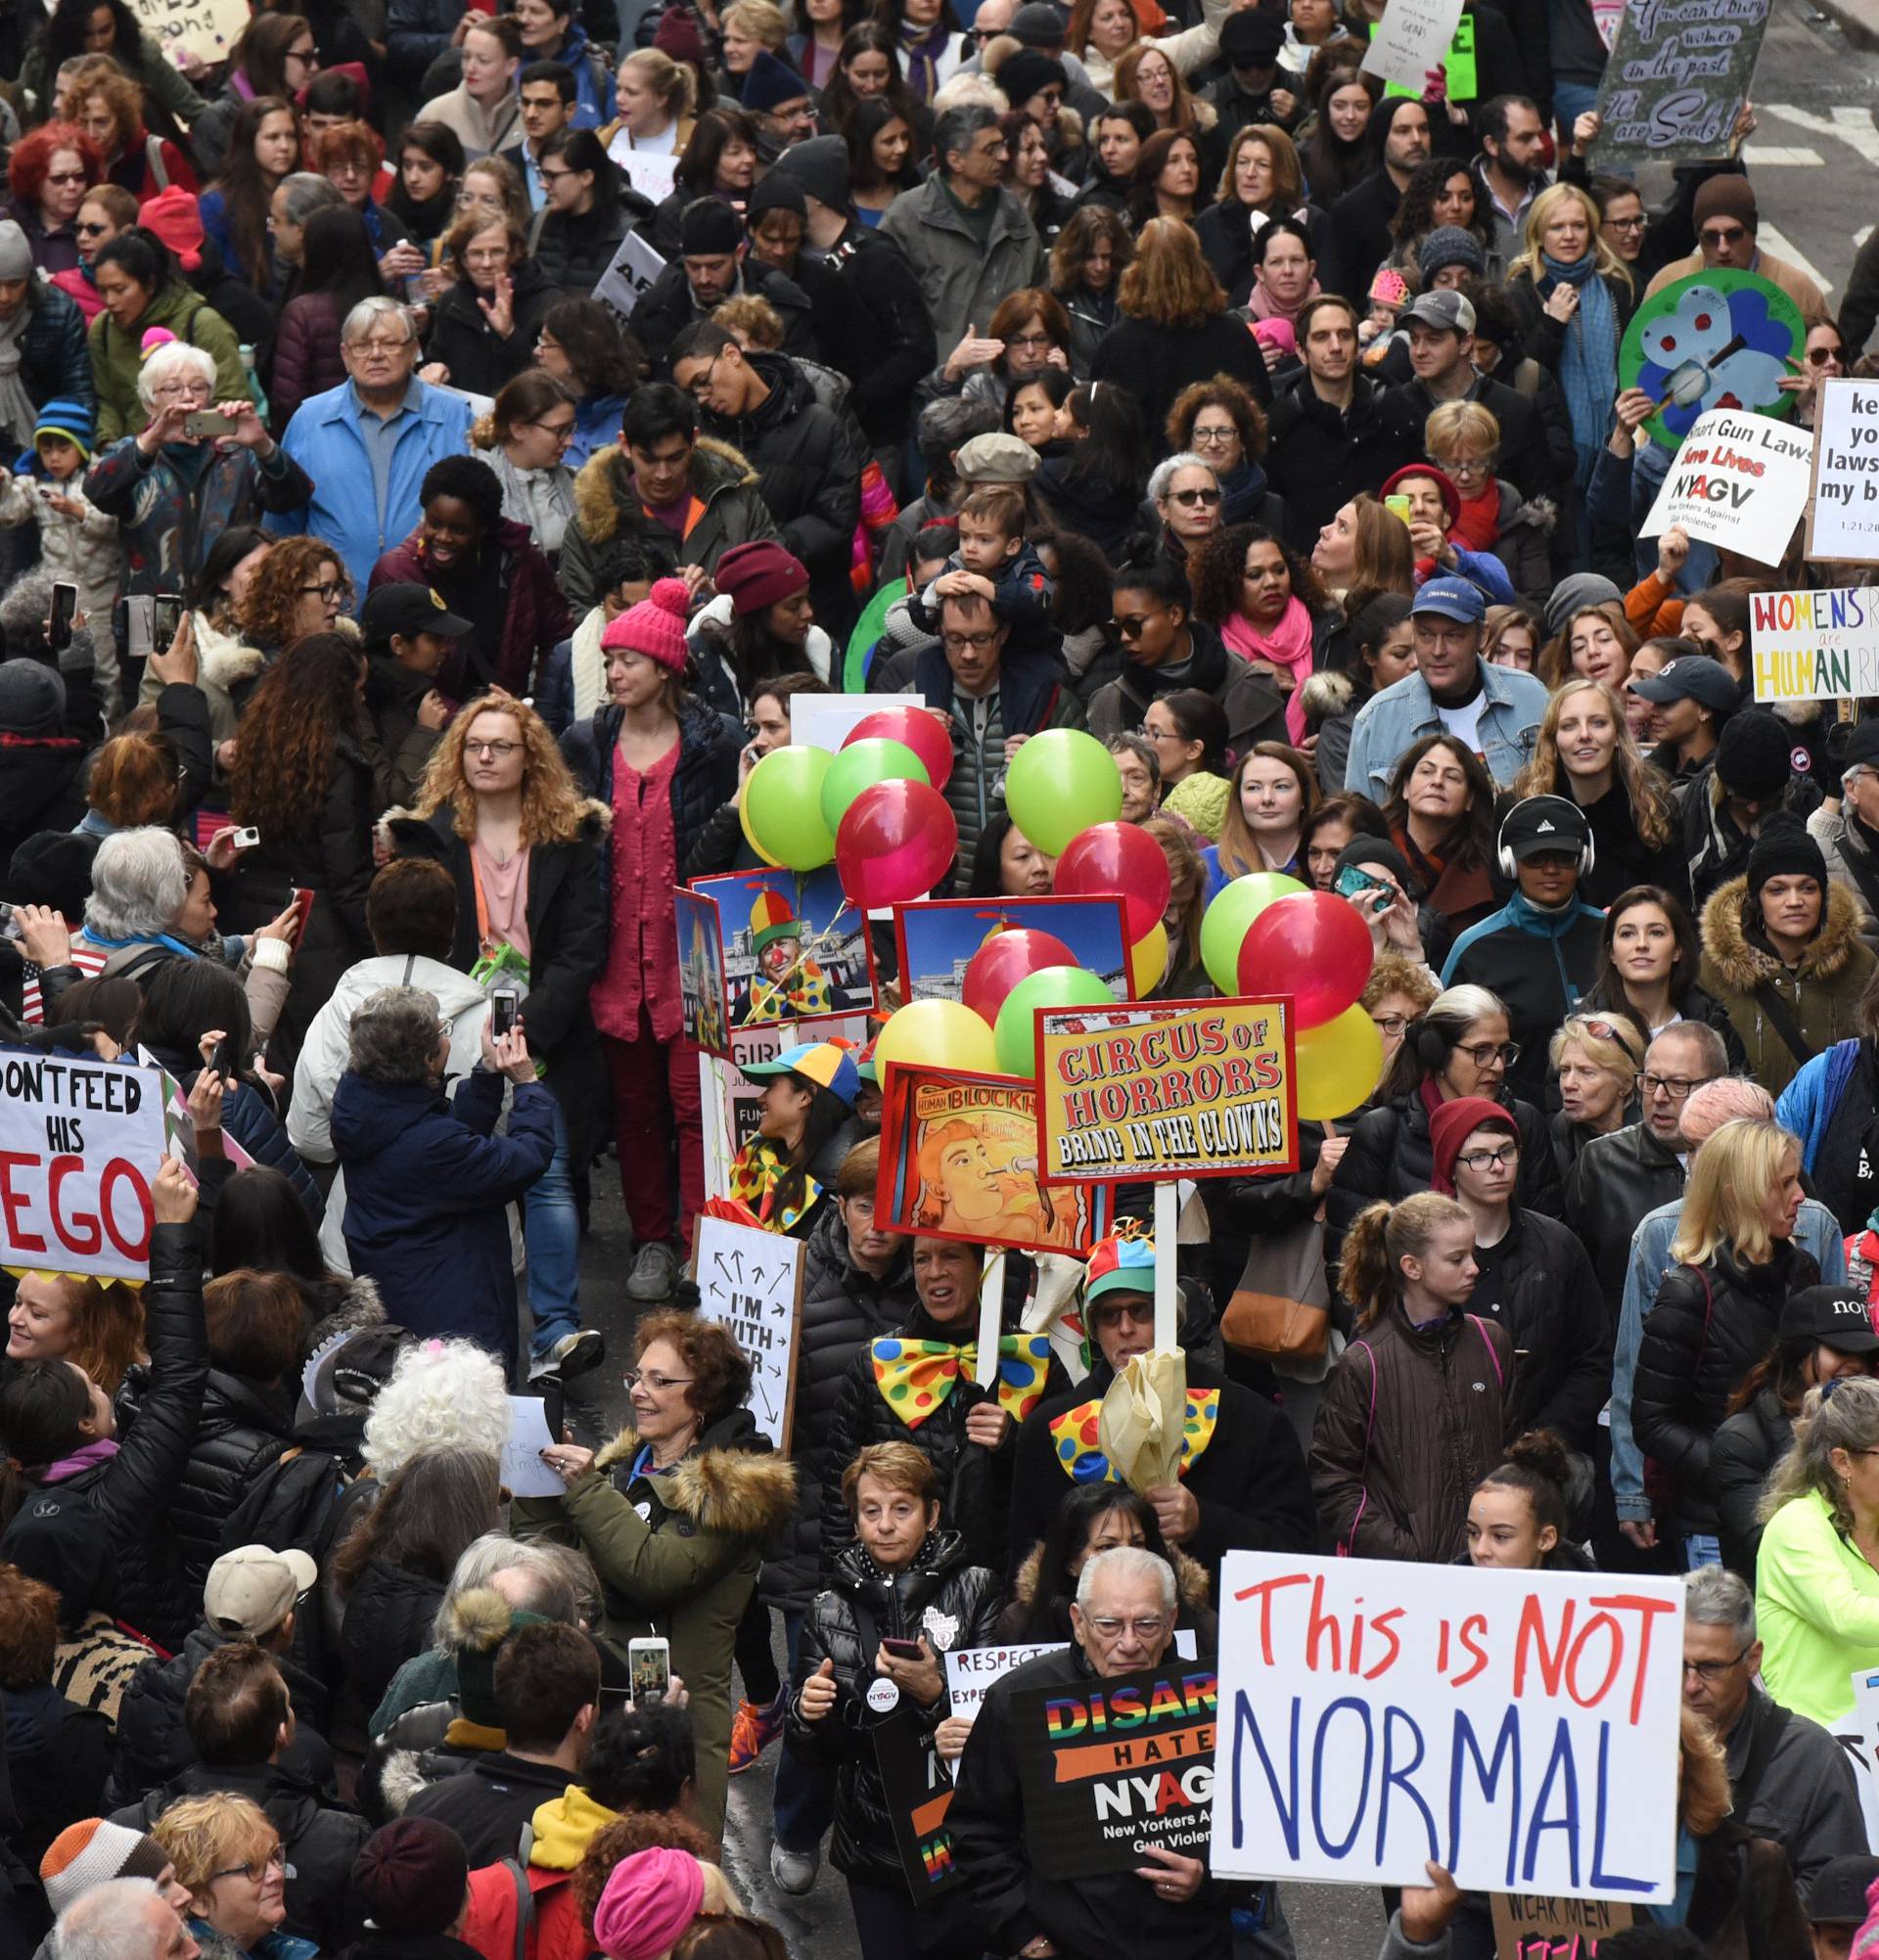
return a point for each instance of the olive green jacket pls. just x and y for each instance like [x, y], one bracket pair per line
[116, 358]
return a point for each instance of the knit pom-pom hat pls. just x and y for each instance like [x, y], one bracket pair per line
[656, 626]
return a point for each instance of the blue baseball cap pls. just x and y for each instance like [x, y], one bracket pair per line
[1453, 599]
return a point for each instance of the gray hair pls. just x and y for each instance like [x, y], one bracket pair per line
[26, 608]
[1165, 473]
[1841, 1414]
[956, 128]
[1143, 751]
[174, 357]
[1712, 1596]
[394, 1036]
[108, 1922]
[556, 1590]
[951, 423]
[308, 192]
[1127, 1562]
[139, 883]
[1711, 1051]
[368, 313]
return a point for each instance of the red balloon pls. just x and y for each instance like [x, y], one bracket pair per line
[1312, 945]
[1004, 960]
[925, 731]
[1117, 860]
[895, 844]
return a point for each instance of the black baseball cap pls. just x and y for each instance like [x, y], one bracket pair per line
[1695, 677]
[1838, 1895]
[1834, 1315]
[406, 608]
[1538, 824]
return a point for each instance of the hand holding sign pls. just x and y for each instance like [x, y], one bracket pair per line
[1175, 1878]
[172, 1197]
[1428, 1909]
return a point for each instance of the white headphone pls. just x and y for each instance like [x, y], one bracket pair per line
[1510, 868]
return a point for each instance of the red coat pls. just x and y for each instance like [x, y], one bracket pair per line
[536, 621]
[490, 1924]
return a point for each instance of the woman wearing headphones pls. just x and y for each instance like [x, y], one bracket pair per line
[1539, 952]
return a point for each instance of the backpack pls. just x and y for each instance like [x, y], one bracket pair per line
[288, 1507]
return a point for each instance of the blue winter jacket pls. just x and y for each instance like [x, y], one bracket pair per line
[1808, 1103]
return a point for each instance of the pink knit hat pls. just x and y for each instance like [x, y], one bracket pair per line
[650, 1899]
[656, 626]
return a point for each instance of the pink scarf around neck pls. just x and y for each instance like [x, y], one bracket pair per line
[1288, 646]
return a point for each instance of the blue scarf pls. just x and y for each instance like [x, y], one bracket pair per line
[1588, 366]
[1243, 491]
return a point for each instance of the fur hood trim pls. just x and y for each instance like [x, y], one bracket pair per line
[1190, 1578]
[1744, 966]
[401, 1780]
[359, 1307]
[225, 661]
[1325, 693]
[736, 1493]
[477, 1620]
[605, 483]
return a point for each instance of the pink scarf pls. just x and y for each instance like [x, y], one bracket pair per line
[1287, 646]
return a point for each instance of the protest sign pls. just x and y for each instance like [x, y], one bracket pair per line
[1520, 1728]
[523, 1474]
[1843, 520]
[1858, 1735]
[1459, 67]
[959, 1160]
[733, 1101]
[1814, 646]
[937, 939]
[1530, 1927]
[971, 1670]
[1716, 339]
[792, 945]
[1413, 37]
[702, 995]
[1677, 80]
[634, 268]
[205, 28]
[1108, 1767]
[750, 1282]
[1739, 482]
[827, 720]
[81, 1141]
[918, 1787]
[1190, 1088]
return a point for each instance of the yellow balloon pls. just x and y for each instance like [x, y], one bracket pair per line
[1338, 1064]
[744, 824]
[941, 1033]
[1148, 960]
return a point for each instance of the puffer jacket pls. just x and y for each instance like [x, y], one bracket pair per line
[843, 1309]
[477, 358]
[953, 1604]
[58, 1754]
[1743, 1454]
[1820, 995]
[678, 1552]
[306, 354]
[1710, 1326]
[54, 360]
[389, 1614]
[87, 1533]
[1412, 1419]
[573, 252]
[607, 506]
[1561, 1327]
[705, 778]
[116, 358]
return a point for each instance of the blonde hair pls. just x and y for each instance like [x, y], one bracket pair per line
[1731, 1177]
[553, 809]
[1619, 1052]
[674, 82]
[1383, 1236]
[752, 322]
[1652, 810]
[1847, 1418]
[203, 1835]
[1453, 428]
[761, 21]
[1539, 215]
[1703, 1798]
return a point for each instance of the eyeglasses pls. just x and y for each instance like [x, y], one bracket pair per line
[1723, 234]
[373, 348]
[1207, 498]
[1485, 1054]
[979, 643]
[1213, 438]
[1114, 1629]
[1714, 1670]
[1677, 1087]
[91, 231]
[1479, 1160]
[1391, 1025]
[658, 1384]
[1818, 357]
[256, 1869]
[1029, 341]
[561, 431]
[1113, 1313]
[328, 592]
[1130, 627]
[701, 383]
[302, 55]
[501, 751]
[1638, 223]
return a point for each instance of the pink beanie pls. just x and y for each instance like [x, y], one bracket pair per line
[650, 1899]
[656, 626]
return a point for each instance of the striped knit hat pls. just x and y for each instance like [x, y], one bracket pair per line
[93, 1852]
[67, 418]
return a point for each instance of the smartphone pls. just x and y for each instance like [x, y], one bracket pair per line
[1356, 884]
[244, 838]
[649, 1667]
[504, 1005]
[902, 1649]
[224, 1061]
[302, 897]
[1398, 505]
[9, 926]
[165, 619]
[207, 422]
[64, 608]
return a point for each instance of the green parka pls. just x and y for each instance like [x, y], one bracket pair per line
[117, 357]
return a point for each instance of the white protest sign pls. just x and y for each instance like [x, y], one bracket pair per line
[1814, 646]
[652, 176]
[1413, 37]
[827, 720]
[1846, 472]
[207, 28]
[523, 1474]
[1519, 1728]
[971, 1670]
[81, 1141]
[750, 1282]
[1739, 482]
[1862, 1747]
[634, 268]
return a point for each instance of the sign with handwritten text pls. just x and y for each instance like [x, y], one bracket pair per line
[1413, 37]
[205, 28]
[1845, 473]
[1520, 1728]
[1677, 78]
[1527, 1928]
[1822, 644]
[750, 1282]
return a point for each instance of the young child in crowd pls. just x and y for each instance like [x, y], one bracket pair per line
[993, 560]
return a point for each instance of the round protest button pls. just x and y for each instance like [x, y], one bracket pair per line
[882, 1696]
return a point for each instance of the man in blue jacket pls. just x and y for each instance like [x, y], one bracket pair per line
[368, 442]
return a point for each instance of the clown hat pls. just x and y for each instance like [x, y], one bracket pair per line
[829, 1065]
[772, 918]
[1120, 1264]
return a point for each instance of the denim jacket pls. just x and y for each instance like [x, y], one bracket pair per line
[1389, 722]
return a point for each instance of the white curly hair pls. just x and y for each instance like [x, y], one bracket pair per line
[441, 1392]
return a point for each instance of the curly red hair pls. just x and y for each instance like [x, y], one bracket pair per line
[32, 158]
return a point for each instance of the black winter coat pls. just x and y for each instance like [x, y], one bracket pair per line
[953, 1604]
[666, 309]
[43, 782]
[975, 1484]
[573, 252]
[843, 1309]
[480, 359]
[1710, 1326]
[1743, 1454]
[56, 1756]
[489, 1804]
[1249, 1483]
[1255, 707]
[389, 1617]
[1562, 1330]
[95, 1537]
[704, 779]
[1618, 1181]
[1154, 363]
[889, 309]
[1319, 457]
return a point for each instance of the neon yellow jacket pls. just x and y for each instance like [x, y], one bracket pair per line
[1816, 1604]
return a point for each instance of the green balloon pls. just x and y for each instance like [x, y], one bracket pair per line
[862, 765]
[1224, 923]
[783, 807]
[1015, 1035]
[1060, 783]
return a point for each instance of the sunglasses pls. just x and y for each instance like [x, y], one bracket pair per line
[1817, 357]
[1206, 497]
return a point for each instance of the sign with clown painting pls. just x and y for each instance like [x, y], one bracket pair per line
[1716, 340]
[791, 946]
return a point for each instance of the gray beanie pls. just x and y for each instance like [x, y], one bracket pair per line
[16, 254]
[1449, 244]
[1572, 595]
[33, 699]
[819, 168]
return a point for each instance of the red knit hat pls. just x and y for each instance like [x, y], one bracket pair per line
[759, 574]
[1453, 1125]
[656, 626]
[173, 216]
[1446, 484]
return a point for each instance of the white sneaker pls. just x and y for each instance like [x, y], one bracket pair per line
[654, 1273]
[794, 1871]
[573, 1354]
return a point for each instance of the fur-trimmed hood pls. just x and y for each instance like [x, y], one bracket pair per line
[1190, 1578]
[732, 1491]
[606, 483]
[359, 1305]
[1744, 966]
[1325, 693]
[224, 660]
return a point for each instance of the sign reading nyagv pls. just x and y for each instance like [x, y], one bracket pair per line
[1520, 1728]
[1739, 482]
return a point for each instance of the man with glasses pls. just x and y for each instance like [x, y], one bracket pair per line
[547, 91]
[996, 699]
[1790, 1779]
[1166, 649]
[1727, 221]
[368, 443]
